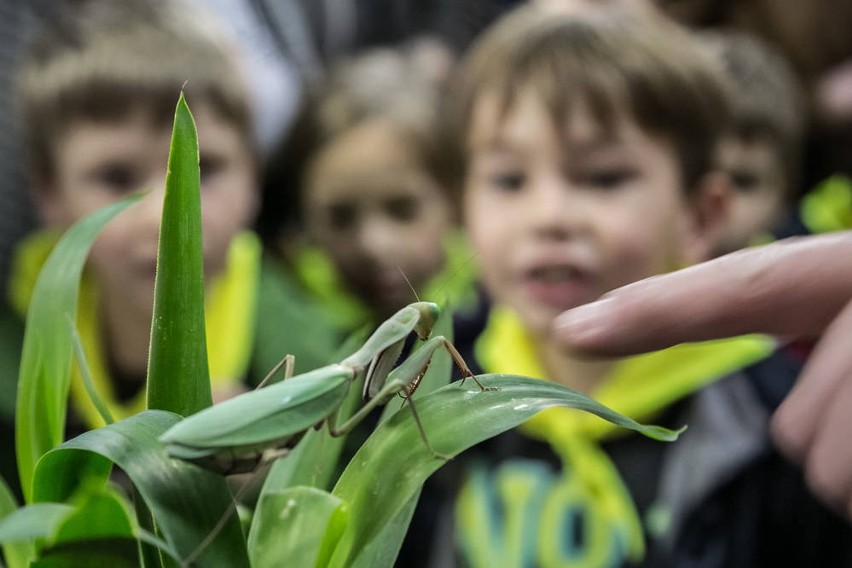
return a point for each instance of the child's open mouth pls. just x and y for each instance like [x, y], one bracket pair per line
[560, 286]
[554, 274]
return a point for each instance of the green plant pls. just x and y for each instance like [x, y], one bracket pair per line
[75, 516]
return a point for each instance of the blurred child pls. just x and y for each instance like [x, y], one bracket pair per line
[98, 94]
[585, 146]
[359, 175]
[762, 152]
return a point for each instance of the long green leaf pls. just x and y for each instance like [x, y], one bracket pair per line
[393, 464]
[100, 512]
[46, 357]
[186, 501]
[39, 520]
[383, 550]
[294, 526]
[178, 376]
[112, 552]
[16, 553]
[99, 527]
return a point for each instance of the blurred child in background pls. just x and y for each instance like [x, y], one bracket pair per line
[98, 93]
[586, 143]
[762, 152]
[354, 198]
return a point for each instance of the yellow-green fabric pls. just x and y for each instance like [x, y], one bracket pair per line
[828, 206]
[230, 312]
[453, 285]
[640, 387]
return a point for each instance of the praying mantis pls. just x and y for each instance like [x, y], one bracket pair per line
[237, 435]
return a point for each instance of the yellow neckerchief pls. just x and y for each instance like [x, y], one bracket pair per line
[640, 387]
[230, 309]
[452, 285]
[828, 207]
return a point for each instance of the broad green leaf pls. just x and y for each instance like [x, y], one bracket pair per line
[98, 527]
[150, 551]
[16, 553]
[178, 376]
[112, 552]
[39, 520]
[186, 501]
[46, 357]
[99, 512]
[383, 550]
[293, 526]
[393, 464]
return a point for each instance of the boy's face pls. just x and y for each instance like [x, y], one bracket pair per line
[373, 207]
[98, 163]
[558, 218]
[757, 180]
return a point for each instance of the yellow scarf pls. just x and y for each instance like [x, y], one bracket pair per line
[640, 387]
[230, 310]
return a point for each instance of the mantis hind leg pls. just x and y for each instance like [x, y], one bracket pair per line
[422, 431]
[287, 363]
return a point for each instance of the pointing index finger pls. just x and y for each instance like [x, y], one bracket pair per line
[789, 288]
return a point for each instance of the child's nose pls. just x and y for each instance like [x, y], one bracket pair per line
[378, 238]
[551, 209]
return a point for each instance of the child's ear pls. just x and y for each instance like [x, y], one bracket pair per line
[709, 209]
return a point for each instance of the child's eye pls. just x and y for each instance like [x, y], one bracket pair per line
[117, 178]
[342, 216]
[210, 166]
[744, 182]
[509, 181]
[607, 179]
[403, 209]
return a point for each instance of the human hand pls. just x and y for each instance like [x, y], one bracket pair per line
[795, 288]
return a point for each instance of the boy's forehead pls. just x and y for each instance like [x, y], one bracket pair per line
[498, 121]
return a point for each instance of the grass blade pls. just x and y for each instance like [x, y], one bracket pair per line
[17, 554]
[178, 376]
[44, 376]
[86, 374]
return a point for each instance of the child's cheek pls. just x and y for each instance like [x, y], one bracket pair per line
[631, 255]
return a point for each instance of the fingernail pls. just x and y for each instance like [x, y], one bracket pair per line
[584, 321]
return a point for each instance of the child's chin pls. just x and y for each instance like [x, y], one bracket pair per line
[538, 320]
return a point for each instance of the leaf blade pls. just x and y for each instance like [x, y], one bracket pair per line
[186, 501]
[312, 517]
[393, 463]
[178, 375]
[44, 376]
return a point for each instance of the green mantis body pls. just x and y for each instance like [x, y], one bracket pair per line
[236, 435]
